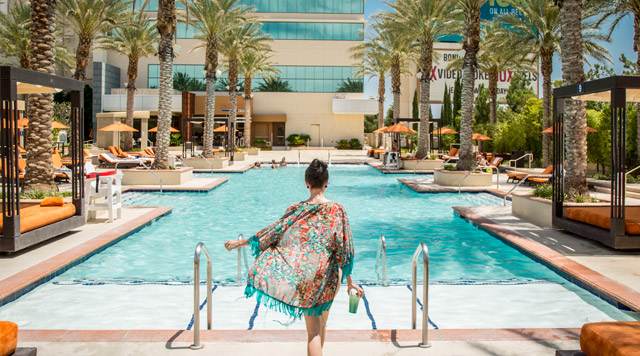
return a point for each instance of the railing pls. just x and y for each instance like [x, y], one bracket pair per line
[512, 162]
[381, 256]
[147, 168]
[631, 171]
[298, 158]
[241, 253]
[423, 158]
[504, 199]
[205, 158]
[422, 248]
[329, 160]
[497, 173]
[196, 294]
[462, 180]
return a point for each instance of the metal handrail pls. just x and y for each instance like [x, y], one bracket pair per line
[423, 158]
[147, 168]
[504, 199]
[462, 180]
[205, 158]
[381, 256]
[422, 248]
[497, 173]
[447, 161]
[196, 294]
[631, 171]
[530, 155]
[241, 252]
[298, 158]
[329, 159]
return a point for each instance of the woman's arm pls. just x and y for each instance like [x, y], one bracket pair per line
[351, 285]
[234, 244]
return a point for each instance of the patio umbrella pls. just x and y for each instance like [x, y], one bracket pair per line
[222, 129]
[23, 122]
[480, 137]
[57, 125]
[171, 129]
[118, 127]
[379, 130]
[550, 129]
[444, 131]
[399, 129]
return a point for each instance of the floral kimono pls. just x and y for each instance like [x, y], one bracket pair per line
[299, 257]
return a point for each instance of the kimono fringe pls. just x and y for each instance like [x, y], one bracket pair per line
[347, 269]
[254, 243]
[290, 310]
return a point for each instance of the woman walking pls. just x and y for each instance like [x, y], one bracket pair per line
[302, 258]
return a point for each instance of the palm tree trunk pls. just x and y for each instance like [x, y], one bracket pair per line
[395, 88]
[82, 57]
[381, 92]
[166, 25]
[233, 103]
[426, 62]
[211, 63]
[470, 46]
[493, 93]
[164, 102]
[546, 68]
[575, 119]
[132, 74]
[247, 111]
[636, 47]
[39, 143]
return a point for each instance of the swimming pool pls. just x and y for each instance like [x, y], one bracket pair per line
[151, 269]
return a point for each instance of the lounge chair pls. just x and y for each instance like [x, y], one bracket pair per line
[149, 152]
[111, 160]
[61, 172]
[452, 154]
[517, 176]
[36, 216]
[22, 165]
[117, 151]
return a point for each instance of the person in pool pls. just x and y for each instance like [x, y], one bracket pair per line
[274, 165]
[302, 258]
[283, 162]
[257, 164]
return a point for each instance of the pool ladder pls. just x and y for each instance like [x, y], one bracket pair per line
[196, 295]
[424, 250]
[241, 253]
[381, 257]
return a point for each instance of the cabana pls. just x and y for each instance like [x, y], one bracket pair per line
[614, 224]
[23, 225]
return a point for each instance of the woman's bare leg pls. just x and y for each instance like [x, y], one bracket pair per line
[315, 337]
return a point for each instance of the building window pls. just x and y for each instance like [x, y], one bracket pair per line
[314, 31]
[305, 79]
[291, 6]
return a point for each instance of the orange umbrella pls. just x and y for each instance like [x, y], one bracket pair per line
[480, 137]
[398, 128]
[57, 125]
[380, 130]
[171, 129]
[550, 130]
[118, 127]
[222, 129]
[444, 131]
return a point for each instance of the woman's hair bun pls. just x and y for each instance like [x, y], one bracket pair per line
[316, 174]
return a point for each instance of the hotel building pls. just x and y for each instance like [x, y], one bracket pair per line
[311, 42]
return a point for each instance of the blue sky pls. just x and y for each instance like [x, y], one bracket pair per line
[622, 43]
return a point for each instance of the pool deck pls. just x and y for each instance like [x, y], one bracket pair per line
[196, 185]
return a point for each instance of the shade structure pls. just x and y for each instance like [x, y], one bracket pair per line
[222, 129]
[444, 131]
[398, 128]
[57, 125]
[380, 130]
[171, 129]
[118, 127]
[27, 88]
[550, 129]
[480, 137]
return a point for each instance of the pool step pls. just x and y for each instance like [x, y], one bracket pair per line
[605, 187]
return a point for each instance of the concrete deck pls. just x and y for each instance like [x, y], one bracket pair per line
[195, 185]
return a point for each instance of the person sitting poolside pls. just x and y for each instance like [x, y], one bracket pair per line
[274, 165]
[283, 163]
[482, 161]
[257, 164]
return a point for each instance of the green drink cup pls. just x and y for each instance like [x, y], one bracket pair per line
[354, 301]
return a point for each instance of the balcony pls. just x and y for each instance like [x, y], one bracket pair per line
[118, 102]
[354, 106]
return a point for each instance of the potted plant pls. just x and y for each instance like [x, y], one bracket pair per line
[298, 140]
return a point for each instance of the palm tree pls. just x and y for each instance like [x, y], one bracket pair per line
[135, 39]
[38, 174]
[253, 63]
[233, 43]
[14, 38]
[426, 21]
[166, 25]
[575, 118]
[274, 85]
[618, 10]
[536, 29]
[222, 84]
[184, 82]
[375, 63]
[401, 51]
[471, 45]
[211, 19]
[88, 19]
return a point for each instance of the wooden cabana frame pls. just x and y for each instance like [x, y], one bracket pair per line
[11, 79]
[618, 90]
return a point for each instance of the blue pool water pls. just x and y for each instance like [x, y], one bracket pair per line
[142, 282]
[375, 203]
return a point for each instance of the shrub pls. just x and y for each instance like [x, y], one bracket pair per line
[450, 167]
[355, 143]
[260, 143]
[544, 191]
[175, 140]
[41, 194]
[298, 140]
[343, 144]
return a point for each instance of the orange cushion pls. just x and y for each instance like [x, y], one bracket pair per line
[601, 217]
[610, 338]
[35, 216]
[538, 179]
[8, 338]
[52, 201]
